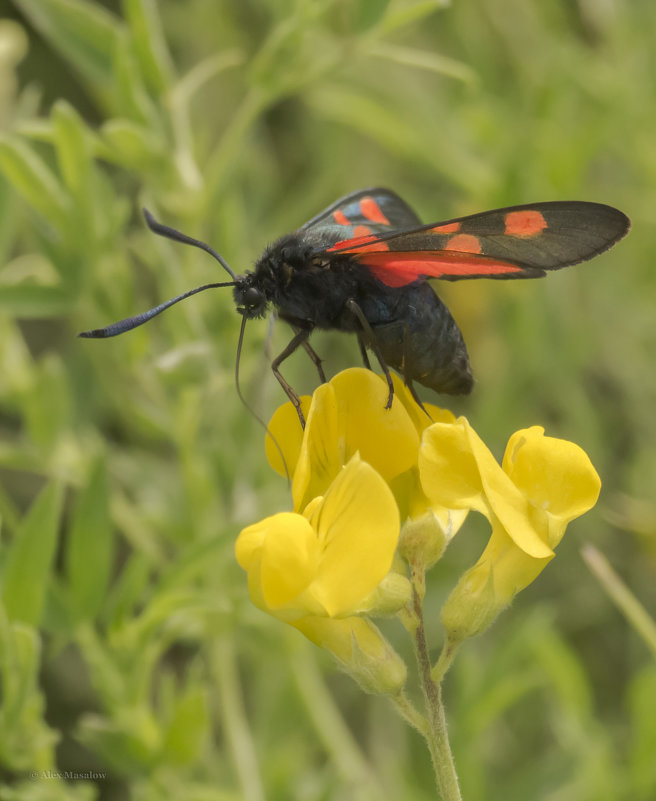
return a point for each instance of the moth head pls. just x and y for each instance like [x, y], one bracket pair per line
[250, 299]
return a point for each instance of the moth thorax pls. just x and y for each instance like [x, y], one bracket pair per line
[285, 272]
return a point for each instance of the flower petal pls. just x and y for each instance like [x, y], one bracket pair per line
[285, 429]
[448, 470]
[556, 476]
[358, 529]
[348, 416]
[458, 471]
[249, 543]
[385, 438]
[282, 552]
[506, 501]
[321, 454]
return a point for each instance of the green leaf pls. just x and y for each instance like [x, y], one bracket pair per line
[383, 124]
[25, 738]
[642, 708]
[30, 557]
[34, 180]
[130, 740]
[132, 99]
[73, 150]
[128, 590]
[8, 219]
[182, 612]
[42, 129]
[83, 33]
[31, 300]
[561, 665]
[188, 728]
[20, 652]
[90, 550]
[149, 44]
[410, 11]
[422, 59]
[132, 145]
[48, 407]
[367, 13]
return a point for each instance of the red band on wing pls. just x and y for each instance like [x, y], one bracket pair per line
[397, 268]
[364, 244]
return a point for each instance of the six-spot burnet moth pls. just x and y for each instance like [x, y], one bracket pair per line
[362, 266]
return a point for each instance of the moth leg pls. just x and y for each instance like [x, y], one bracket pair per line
[417, 399]
[363, 351]
[299, 338]
[406, 378]
[314, 356]
[370, 338]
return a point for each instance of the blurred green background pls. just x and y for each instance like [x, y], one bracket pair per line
[128, 647]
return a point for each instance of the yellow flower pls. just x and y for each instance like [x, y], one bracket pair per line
[543, 485]
[428, 527]
[348, 415]
[329, 559]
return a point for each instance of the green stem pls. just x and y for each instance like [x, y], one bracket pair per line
[407, 711]
[436, 737]
[444, 662]
[235, 723]
[621, 595]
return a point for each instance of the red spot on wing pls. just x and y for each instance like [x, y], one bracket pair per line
[340, 218]
[372, 211]
[464, 243]
[397, 268]
[361, 231]
[449, 228]
[525, 223]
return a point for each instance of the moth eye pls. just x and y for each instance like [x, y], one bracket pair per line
[252, 297]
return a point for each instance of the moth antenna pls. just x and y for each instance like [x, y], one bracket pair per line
[129, 323]
[249, 408]
[177, 236]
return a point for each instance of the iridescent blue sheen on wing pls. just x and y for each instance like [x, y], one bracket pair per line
[379, 211]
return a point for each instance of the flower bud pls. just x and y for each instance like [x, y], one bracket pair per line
[361, 651]
[472, 606]
[423, 540]
[391, 595]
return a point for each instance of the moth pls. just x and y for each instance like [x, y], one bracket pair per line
[363, 266]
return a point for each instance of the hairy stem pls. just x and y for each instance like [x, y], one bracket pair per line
[436, 736]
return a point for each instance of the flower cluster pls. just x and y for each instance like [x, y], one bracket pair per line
[372, 485]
